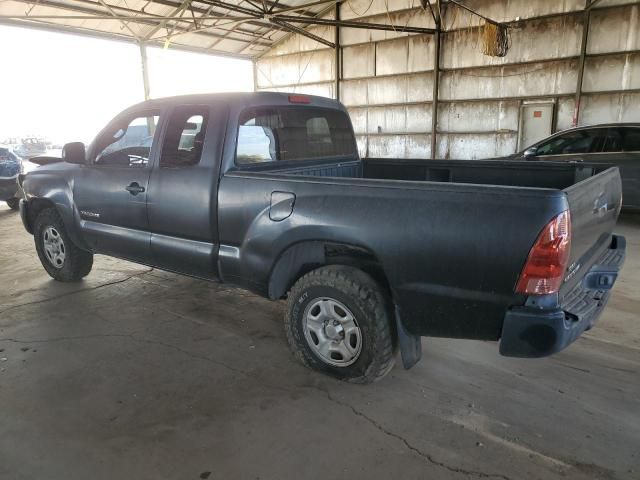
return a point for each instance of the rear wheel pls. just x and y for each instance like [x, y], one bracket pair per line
[338, 321]
[59, 256]
[13, 203]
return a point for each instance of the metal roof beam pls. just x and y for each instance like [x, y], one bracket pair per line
[126, 25]
[177, 12]
[286, 9]
[301, 31]
[353, 24]
[203, 11]
[232, 7]
[148, 19]
[111, 36]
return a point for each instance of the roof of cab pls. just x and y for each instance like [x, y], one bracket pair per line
[243, 98]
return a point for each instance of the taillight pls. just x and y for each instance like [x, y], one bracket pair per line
[548, 258]
[299, 99]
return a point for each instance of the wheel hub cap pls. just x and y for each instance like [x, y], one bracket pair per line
[54, 248]
[332, 332]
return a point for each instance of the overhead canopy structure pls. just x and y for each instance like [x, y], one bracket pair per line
[239, 28]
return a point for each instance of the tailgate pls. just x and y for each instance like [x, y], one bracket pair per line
[594, 204]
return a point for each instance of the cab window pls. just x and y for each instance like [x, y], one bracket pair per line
[184, 137]
[283, 134]
[127, 144]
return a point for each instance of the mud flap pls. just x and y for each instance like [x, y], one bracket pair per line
[410, 345]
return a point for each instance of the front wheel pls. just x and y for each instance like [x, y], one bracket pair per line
[13, 203]
[59, 256]
[338, 321]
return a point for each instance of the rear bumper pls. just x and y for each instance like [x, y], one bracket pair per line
[534, 332]
[8, 188]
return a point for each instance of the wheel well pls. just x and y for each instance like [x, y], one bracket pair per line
[302, 258]
[36, 206]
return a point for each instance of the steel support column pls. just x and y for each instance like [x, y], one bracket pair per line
[145, 71]
[583, 54]
[436, 80]
[338, 60]
[255, 74]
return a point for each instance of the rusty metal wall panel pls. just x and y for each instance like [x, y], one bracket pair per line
[387, 76]
[359, 61]
[614, 30]
[620, 72]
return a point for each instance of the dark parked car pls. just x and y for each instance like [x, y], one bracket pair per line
[266, 191]
[10, 168]
[11, 165]
[612, 144]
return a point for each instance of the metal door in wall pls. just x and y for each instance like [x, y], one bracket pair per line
[536, 120]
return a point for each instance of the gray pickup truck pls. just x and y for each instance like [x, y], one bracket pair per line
[267, 191]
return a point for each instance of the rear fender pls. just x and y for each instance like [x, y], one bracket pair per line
[303, 257]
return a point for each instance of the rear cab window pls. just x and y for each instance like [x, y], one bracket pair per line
[275, 134]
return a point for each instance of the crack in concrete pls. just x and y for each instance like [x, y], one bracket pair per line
[429, 458]
[425, 456]
[132, 337]
[68, 294]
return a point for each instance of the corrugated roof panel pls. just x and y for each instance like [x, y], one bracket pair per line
[146, 20]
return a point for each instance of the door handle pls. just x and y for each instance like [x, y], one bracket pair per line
[134, 188]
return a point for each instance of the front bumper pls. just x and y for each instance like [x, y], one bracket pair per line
[534, 332]
[8, 188]
[24, 215]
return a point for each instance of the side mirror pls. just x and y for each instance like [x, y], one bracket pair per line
[530, 152]
[74, 152]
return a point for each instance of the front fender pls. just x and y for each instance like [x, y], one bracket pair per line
[43, 189]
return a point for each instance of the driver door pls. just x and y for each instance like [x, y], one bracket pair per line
[111, 191]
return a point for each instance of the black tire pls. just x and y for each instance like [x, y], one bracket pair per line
[371, 310]
[13, 203]
[77, 263]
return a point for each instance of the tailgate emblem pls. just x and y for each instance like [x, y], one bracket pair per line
[600, 206]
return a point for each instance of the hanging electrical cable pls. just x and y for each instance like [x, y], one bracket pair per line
[496, 40]
[495, 37]
[358, 14]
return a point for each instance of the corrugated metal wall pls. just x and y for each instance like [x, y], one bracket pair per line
[386, 78]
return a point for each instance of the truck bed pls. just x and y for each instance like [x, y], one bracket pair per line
[483, 172]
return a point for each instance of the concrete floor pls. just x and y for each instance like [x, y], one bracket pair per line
[140, 374]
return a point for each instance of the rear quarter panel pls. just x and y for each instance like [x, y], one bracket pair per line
[452, 253]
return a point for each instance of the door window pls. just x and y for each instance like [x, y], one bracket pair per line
[614, 141]
[630, 139]
[127, 144]
[576, 141]
[184, 137]
[277, 134]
